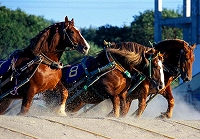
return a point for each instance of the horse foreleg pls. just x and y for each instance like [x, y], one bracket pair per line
[142, 100]
[170, 99]
[64, 95]
[125, 106]
[116, 107]
[167, 94]
[26, 101]
[4, 104]
[141, 107]
[74, 106]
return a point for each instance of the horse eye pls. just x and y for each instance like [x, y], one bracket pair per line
[186, 58]
[71, 32]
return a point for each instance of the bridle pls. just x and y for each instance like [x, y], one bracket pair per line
[176, 71]
[74, 46]
[46, 60]
[69, 41]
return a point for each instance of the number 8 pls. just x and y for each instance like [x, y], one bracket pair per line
[73, 71]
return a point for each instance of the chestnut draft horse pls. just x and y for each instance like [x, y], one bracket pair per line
[178, 60]
[37, 67]
[112, 82]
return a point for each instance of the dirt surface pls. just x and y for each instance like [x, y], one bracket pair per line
[48, 127]
[43, 124]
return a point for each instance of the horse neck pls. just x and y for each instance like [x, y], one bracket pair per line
[136, 48]
[171, 50]
[129, 46]
[49, 43]
[56, 48]
[129, 63]
[99, 61]
[141, 66]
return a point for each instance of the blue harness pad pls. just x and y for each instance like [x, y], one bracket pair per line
[4, 66]
[74, 72]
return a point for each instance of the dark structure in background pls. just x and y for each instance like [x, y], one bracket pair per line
[190, 22]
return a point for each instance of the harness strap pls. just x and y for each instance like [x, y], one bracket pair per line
[50, 62]
[118, 65]
[141, 79]
[20, 84]
[18, 72]
[71, 42]
[173, 71]
[6, 81]
[83, 63]
[150, 62]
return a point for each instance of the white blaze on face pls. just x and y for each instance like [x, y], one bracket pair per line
[87, 45]
[161, 73]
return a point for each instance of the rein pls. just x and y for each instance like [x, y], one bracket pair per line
[174, 71]
[46, 60]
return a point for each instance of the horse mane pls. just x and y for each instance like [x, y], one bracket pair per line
[39, 42]
[130, 46]
[130, 58]
[171, 44]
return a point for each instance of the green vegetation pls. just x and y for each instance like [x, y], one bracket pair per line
[17, 28]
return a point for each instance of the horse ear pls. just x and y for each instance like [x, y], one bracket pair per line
[193, 46]
[146, 60]
[66, 21]
[72, 21]
[162, 55]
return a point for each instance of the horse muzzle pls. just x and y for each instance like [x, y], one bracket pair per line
[186, 78]
[83, 49]
[158, 86]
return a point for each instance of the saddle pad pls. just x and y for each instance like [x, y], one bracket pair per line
[4, 66]
[75, 71]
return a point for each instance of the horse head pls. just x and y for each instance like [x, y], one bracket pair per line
[74, 37]
[55, 38]
[154, 61]
[186, 61]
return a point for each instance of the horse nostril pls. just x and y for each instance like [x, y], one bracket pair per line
[160, 87]
[85, 48]
[187, 79]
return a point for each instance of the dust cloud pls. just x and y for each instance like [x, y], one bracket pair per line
[182, 110]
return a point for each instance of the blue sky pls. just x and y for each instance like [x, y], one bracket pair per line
[88, 12]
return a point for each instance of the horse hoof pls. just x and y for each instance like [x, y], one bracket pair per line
[62, 114]
[20, 114]
[137, 117]
[162, 116]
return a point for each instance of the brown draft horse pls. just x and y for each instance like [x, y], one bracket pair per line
[37, 67]
[178, 60]
[114, 84]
